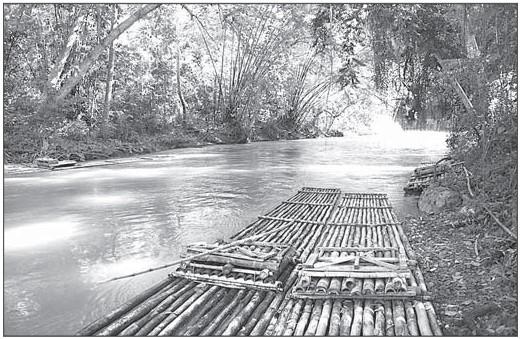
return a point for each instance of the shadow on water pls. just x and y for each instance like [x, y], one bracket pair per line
[65, 231]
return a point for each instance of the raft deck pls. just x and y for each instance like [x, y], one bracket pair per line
[356, 274]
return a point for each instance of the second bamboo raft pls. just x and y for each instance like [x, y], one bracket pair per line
[424, 175]
[321, 223]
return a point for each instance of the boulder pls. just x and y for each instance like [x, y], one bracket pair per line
[435, 199]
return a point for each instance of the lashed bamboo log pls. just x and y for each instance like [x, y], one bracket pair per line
[265, 319]
[410, 319]
[196, 293]
[303, 319]
[137, 325]
[107, 319]
[179, 298]
[282, 320]
[324, 319]
[236, 311]
[255, 316]
[399, 319]
[335, 319]
[422, 319]
[189, 311]
[357, 318]
[200, 313]
[236, 323]
[314, 319]
[214, 323]
[272, 324]
[388, 314]
[293, 319]
[136, 313]
[368, 321]
[380, 320]
[216, 308]
[346, 318]
[432, 317]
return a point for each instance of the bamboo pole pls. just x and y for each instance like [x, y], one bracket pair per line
[335, 320]
[399, 319]
[280, 326]
[137, 325]
[324, 319]
[368, 323]
[303, 319]
[388, 314]
[195, 294]
[422, 319]
[410, 319]
[357, 319]
[293, 319]
[178, 298]
[200, 313]
[252, 321]
[314, 319]
[272, 324]
[261, 325]
[346, 318]
[217, 307]
[236, 323]
[126, 307]
[380, 320]
[136, 313]
[236, 311]
[432, 317]
[189, 311]
[209, 329]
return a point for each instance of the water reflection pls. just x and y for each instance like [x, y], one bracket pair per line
[66, 230]
[39, 234]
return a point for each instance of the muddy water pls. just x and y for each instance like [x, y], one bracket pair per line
[65, 231]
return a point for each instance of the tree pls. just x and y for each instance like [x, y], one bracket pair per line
[110, 72]
[84, 67]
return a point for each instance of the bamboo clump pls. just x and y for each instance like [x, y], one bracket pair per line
[320, 224]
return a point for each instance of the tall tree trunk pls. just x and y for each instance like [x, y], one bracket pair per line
[56, 71]
[110, 75]
[86, 65]
[180, 93]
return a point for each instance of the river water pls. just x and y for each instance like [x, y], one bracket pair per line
[65, 231]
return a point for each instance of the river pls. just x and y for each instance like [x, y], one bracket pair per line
[64, 231]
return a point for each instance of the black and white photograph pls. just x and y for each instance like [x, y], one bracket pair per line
[260, 169]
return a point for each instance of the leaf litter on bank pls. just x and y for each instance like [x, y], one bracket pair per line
[475, 295]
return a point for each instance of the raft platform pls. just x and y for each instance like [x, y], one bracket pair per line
[347, 269]
[427, 173]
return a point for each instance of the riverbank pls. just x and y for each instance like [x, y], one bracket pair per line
[19, 157]
[469, 272]
[469, 251]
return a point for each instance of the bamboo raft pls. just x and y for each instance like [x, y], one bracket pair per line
[350, 270]
[424, 175]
